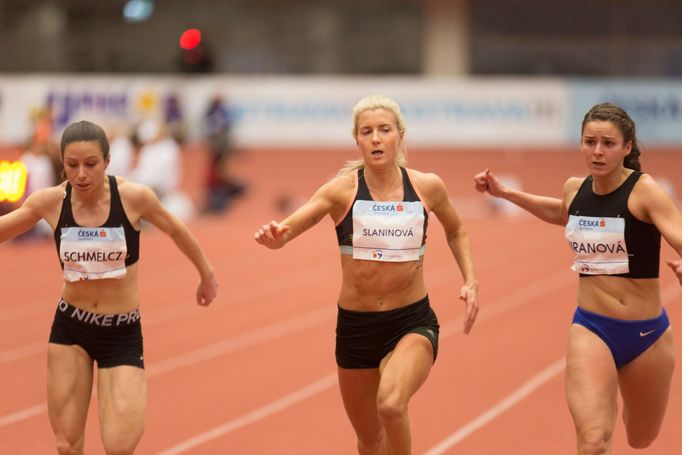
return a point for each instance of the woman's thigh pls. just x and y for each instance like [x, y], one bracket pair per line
[359, 388]
[69, 388]
[406, 368]
[122, 396]
[591, 381]
[645, 387]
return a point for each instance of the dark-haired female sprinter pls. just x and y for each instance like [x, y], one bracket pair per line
[620, 337]
[96, 222]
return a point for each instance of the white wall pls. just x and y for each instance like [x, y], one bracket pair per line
[315, 112]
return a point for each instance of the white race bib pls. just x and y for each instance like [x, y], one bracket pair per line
[388, 231]
[599, 245]
[93, 253]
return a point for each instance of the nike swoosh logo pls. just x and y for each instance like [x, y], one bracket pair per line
[643, 334]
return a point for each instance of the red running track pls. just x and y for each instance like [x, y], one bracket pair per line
[255, 373]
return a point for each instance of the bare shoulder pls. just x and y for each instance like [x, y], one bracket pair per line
[431, 188]
[138, 200]
[339, 188]
[427, 183]
[341, 182]
[45, 198]
[133, 193]
[649, 201]
[648, 184]
[46, 203]
[572, 184]
[647, 191]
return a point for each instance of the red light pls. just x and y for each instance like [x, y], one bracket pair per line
[190, 39]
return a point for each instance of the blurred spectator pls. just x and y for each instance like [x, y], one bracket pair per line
[173, 116]
[221, 186]
[39, 168]
[159, 167]
[121, 151]
[42, 138]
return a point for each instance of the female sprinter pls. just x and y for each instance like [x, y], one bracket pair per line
[96, 222]
[620, 337]
[387, 333]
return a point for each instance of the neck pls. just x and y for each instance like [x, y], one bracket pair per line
[607, 183]
[92, 196]
[383, 177]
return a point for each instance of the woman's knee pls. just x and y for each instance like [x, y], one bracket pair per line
[370, 443]
[121, 442]
[73, 445]
[120, 446]
[594, 441]
[391, 409]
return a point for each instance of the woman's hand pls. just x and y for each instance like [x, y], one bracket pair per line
[486, 181]
[469, 294]
[207, 290]
[272, 235]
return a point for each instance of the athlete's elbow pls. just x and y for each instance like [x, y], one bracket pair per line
[457, 236]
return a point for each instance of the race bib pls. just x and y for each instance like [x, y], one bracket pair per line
[93, 253]
[598, 244]
[388, 231]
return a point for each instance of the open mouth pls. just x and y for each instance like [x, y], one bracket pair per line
[377, 152]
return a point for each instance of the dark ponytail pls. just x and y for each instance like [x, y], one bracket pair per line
[632, 159]
[608, 112]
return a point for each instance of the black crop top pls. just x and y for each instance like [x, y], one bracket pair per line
[642, 240]
[117, 218]
[344, 230]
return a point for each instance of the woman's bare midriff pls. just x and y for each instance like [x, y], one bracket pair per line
[619, 297]
[109, 296]
[380, 286]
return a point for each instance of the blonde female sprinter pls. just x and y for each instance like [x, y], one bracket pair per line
[387, 333]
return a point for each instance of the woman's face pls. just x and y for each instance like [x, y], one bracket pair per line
[378, 137]
[603, 148]
[84, 165]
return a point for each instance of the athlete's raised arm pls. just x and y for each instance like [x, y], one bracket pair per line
[39, 204]
[550, 209]
[277, 234]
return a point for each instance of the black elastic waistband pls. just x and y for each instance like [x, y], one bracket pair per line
[98, 319]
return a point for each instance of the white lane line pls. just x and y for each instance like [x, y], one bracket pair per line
[22, 352]
[205, 353]
[269, 409]
[452, 327]
[24, 414]
[512, 300]
[251, 338]
[172, 310]
[502, 406]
